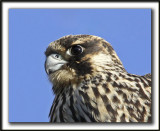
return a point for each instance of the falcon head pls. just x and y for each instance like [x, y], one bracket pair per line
[73, 58]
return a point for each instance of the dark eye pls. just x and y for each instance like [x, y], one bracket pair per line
[76, 50]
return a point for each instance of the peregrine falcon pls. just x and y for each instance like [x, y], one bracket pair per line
[91, 85]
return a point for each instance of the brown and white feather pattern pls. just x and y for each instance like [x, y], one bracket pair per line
[120, 97]
[107, 94]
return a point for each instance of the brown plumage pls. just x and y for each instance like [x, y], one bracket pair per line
[91, 85]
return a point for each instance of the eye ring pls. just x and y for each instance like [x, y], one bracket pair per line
[75, 50]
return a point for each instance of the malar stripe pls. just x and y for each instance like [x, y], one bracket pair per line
[87, 69]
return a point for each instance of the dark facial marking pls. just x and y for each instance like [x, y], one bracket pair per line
[82, 68]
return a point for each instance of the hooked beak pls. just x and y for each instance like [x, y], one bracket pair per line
[53, 64]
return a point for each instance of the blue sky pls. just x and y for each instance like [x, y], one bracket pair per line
[30, 32]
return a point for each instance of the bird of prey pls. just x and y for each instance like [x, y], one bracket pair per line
[91, 84]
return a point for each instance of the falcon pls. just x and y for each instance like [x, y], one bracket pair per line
[91, 85]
